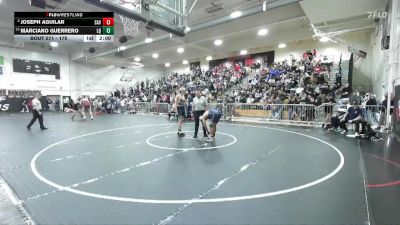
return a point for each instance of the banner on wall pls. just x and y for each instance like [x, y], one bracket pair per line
[15, 104]
[1, 65]
[36, 67]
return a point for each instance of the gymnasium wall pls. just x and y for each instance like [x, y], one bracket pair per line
[377, 60]
[379, 67]
[47, 83]
[296, 50]
[77, 79]
[96, 80]
[361, 78]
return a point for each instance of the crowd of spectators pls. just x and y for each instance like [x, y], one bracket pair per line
[213, 82]
[301, 81]
[304, 81]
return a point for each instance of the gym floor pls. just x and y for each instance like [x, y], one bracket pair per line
[133, 169]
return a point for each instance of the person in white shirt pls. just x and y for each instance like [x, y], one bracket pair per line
[250, 100]
[37, 113]
[199, 108]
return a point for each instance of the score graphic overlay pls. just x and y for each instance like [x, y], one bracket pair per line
[64, 26]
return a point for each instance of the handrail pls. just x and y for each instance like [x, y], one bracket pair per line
[293, 114]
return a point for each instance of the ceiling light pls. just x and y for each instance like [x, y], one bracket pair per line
[282, 45]
[122, 48]
[148, 40]
[324, 39]
[180, 50]
[243, 52]
[167, 64]
[209, 58]
[137, 59]
[185, 62]
[236, 14]
[155, 55]
[54, 44]
[218, 42]
[262, 32]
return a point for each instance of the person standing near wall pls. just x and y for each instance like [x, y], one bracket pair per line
[199, 107]
[37, 113]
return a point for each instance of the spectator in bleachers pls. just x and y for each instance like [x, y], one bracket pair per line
[346, 91]
[357, 98]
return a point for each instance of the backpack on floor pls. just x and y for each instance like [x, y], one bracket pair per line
[370, 134]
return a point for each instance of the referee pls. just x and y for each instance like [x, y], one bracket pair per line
[198, 108]
[37, 113]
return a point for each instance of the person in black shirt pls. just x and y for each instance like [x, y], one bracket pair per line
[335, 121]
[338, 79]
[346, 91]
[24, 105]
[371, 107]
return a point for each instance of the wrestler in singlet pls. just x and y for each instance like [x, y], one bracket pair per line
[180, 107]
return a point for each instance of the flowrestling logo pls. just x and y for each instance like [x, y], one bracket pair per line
[3, 107]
